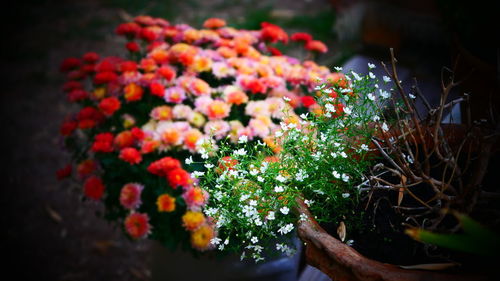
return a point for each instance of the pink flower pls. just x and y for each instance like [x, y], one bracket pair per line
[195, 197]
[175, 95]
[218, 128]
[130, 195]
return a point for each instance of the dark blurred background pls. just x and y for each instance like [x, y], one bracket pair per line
[49, 234]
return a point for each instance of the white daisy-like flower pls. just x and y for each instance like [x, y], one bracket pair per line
[371, 66]
[279, 188]
[345, 177]
[243, 139]
[385, 94]
[240, 152]
[303, 115]
[336, 174]
[412, 96]
[371, 97]
[385, 128]
[356, 76]
[208, 166]
[278, 134]
[254, 172]
[260, 179]
[257, 222]
[386, 79]
[364, 147]
[254, 240]
[372, 76]
[215, 241]
[287, 99]
[286, 229]
[271, 216]
[308, 202]
[244, 197]
[284, 210]
[252, 203]
[345, 195]
[197, 174]
[189, 160]
[338, 68]
[204, 155]
[281, 178]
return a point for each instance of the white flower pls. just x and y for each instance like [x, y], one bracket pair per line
[371, 66]
[260, 179]
[301, 175]
[338, 68]
[349, 242]
[328, 91]
[287, 99]
[364, 147]
[285, 210]
[385, 94]
[320, 192]
[334, 154]
[371, 96]
[226, 241]
[336, 174]
[278, 134]
[218, 195]
[258, 222]
[376, 118]
[252, 203]
[209, 166]
[345, 177]
[243, 139]
[189, 160]
[270, 216]
[197, 174]
[308, 202]
[372, 76]
[376, 86]
[347, 110]
[346, 90]
[345, 195]
[412, 96]
[329, 107]
[221, 247]
[336, 144]
[279, 188]
[254, 240]
[303, 217]
[304, 115]
[254, 172]
[244, 197]
[215, 241]
[204, 155]
[249, 211]
[211, 211]
[385, 127]
[386, 79]
[280, 178]
[356, 76]
[343, 154]
[319, 87]
[286, 229]
[240, 152]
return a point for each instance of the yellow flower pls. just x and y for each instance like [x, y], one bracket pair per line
[200, 239]
[192, 220]
[165, 203]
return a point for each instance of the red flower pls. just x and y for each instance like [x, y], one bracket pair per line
[103, 142]
[256, 86]
[91, 57]
[148, 34]
[214, 23]
[137, 225]
[129, 29]
[86, 167]
[157, 89]
[133, 92]
[68, 127]
[167, 73]
[133, 47]
[307, 101]
[72, 85]
[105, 77]
[274, 51]
[273, 33]
[88, 117]
[163, 166]
[77, 95]
[77, 74]
[64, 172]
[108, 64]
[316, 46]
[110, 105]
[70, 64]
[178, 177]
[137, 133]
[127, 66]
[94, 188]
[131, 155]
[301, 36]
[124, 139]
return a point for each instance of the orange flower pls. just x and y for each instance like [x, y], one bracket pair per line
[178, 177]
[192, 220]
[171, 136]
[133, 92]
[137, 225]
[214, 23]
[163, 112]
[236, 97]
[159, 55]
[165, 203]
[218, 109]
[201, 63]
[200, 238]
[124, 139]
[191, 138]
[316, 46]
[227, 52]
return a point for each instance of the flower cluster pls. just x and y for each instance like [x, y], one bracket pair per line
[179, 91]
[318, 157]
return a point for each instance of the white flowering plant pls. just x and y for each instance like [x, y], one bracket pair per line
[318, 158]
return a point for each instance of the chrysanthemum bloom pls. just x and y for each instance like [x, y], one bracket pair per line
[163, 112]
[137, 133]
[103, 142]
[149, 146]
[307, 101]
[160, 56]
[110, 105]
[218, 109]
[181, 111]
[64, 172]
[130, 195]
[234, 95]
[137, 225]
[86, 167]
[175, 95]
[178, 177]
[77, 95]
[162, 166]
[222, 70]
[192, 220]
[227, 52]
[259, 126]
[132, 47]
[217, 128]
[165, 203]
[70, 64]
[201, 104]
[201, 64]
[200, 238]
[214, 23]
[88, 117]
[167, 73]
[273, 33]
[171, 136]
[316, 46]
[195, 197]
[124, 139]
[301, 36]
[199, 87]
[131, 155]
[148, 34]
[256, 108]
[157, 89]
[337, 79]
[68, 127]
[129, 29]
[133, 92]
[90, 57]
[191, 138]
[105, 77]
[94, 188]
[127, 66]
